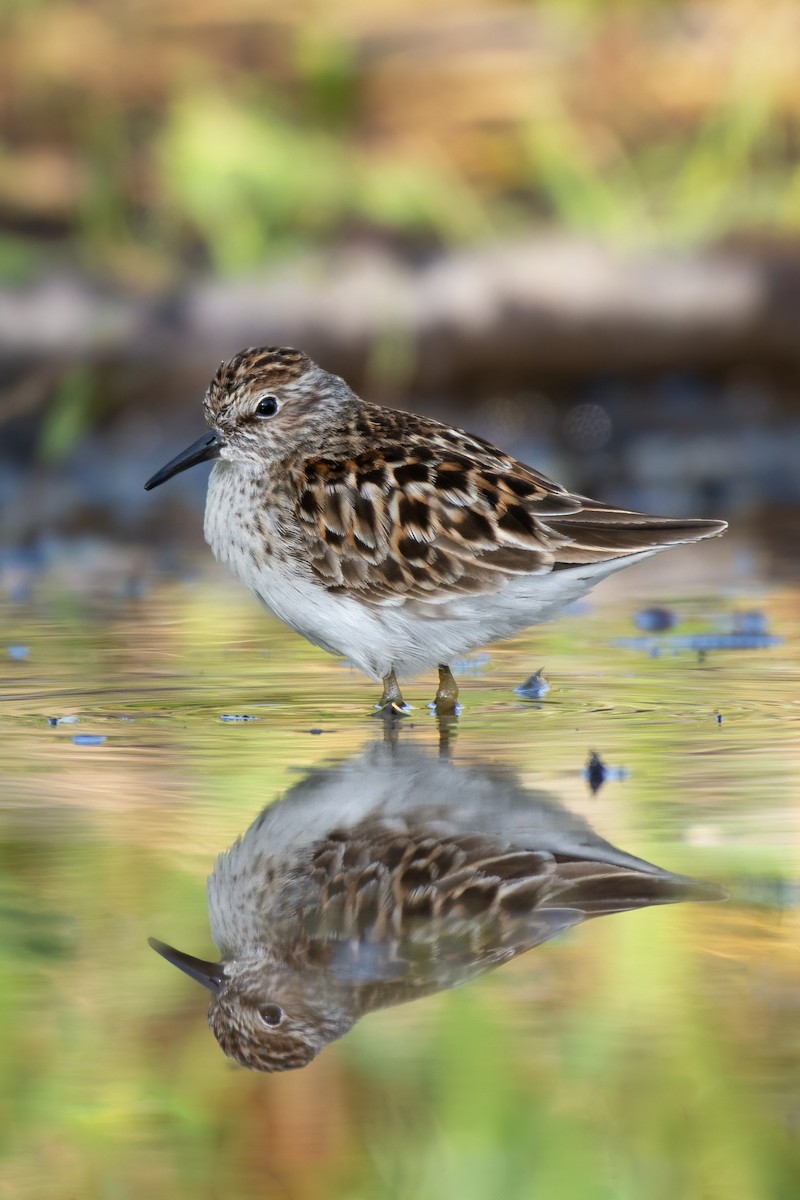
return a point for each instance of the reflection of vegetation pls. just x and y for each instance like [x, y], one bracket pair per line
[651, 1057]
[155, 135]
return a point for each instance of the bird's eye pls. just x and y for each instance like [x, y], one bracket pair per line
[267, 406]
[271, 1014]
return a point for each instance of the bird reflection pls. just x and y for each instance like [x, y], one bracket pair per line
[390, 877]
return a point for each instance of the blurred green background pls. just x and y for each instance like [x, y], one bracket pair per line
[148, 139]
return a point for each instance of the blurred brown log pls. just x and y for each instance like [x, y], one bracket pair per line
[504, 313]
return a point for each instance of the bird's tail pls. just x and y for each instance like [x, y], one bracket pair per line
[597, 533]
[595, 889]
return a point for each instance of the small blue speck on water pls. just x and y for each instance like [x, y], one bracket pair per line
[655, 620]
[89, 739]
[753, 623]
[719, 718]
[18, 653]
[63, 720]
[240, 717]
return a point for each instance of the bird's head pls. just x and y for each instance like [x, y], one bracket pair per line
[260, 406]
[265, 1013]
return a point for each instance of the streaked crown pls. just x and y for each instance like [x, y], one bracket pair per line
[256, 369]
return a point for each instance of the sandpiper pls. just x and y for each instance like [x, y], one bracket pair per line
[389, 538]
[390, 877]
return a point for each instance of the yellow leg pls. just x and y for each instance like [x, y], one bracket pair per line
[446, 702]
[392, 703]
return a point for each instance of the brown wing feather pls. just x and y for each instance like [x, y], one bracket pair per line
[406, 912]
[424, 512]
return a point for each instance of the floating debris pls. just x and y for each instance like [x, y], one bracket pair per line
[596, 772]
[700, 642]
[655, 620]
[750, 623]
[18, 653]
[534, 687]
[89, 739]
[718, 718]
[237, 717]
[745, 630]
[63, 720]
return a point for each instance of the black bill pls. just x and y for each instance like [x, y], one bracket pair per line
[210, 974]
[206, 447]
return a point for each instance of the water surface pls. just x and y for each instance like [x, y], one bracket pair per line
[647, 1054]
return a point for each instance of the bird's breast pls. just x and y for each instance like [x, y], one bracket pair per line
[240, 519]
[249, 527]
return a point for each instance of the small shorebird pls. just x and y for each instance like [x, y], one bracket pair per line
[390, 538]
[389, 878]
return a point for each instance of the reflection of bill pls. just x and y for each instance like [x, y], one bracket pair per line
[390, 877]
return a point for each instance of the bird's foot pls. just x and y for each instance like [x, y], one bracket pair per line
[390, 709]
[392, 704]
[445, 710]
[446, 702]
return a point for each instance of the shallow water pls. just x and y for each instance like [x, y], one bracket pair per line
[647, 1054]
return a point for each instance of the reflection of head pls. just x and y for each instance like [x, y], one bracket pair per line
[389, 877]
[269, 1019]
